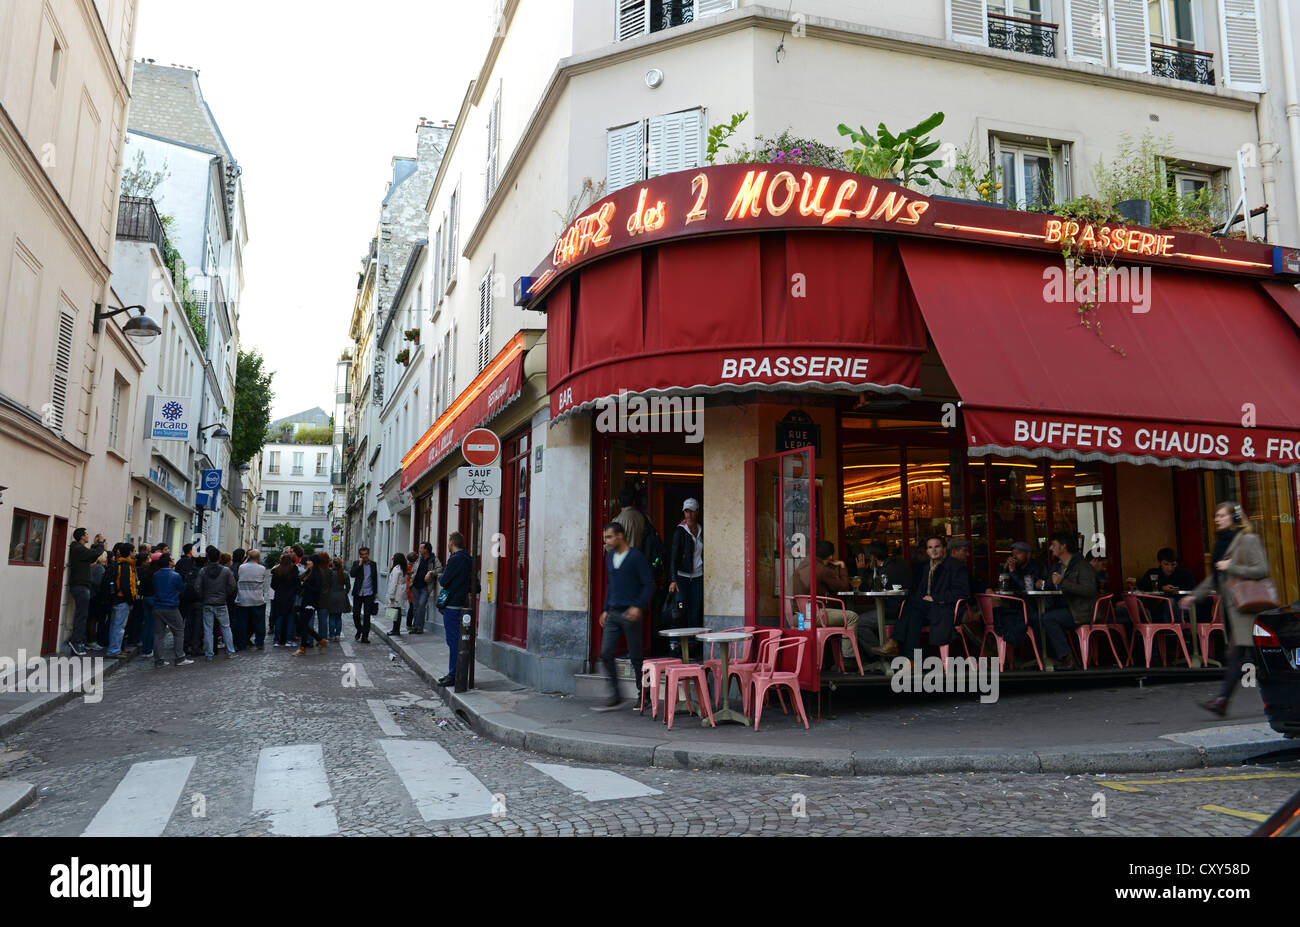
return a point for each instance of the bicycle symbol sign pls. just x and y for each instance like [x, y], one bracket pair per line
[479, 482]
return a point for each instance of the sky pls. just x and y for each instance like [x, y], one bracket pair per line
[314, 105]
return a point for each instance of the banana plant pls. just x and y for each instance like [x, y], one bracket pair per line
[904, 155]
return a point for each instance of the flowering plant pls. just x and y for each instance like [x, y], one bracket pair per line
[789, 149]
[412, 334]
[403, 356]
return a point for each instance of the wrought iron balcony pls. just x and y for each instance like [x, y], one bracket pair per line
[318, 510]
[1187, 64]
[137, 220]
[295, 510]
[297, 471]
[1022, 35]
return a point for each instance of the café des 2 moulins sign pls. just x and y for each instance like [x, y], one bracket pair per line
[169, 418]
[798, 430]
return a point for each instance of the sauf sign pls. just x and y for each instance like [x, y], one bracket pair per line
[169, 418]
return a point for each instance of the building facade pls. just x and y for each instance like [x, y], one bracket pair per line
[296, 491]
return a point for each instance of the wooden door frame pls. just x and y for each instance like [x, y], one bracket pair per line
[54, 585]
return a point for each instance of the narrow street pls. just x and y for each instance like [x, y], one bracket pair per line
[270, 744]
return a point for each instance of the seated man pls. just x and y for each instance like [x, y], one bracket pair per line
[1078, 584]
[1020, 567]
[1022, 573]
[941, 582]
[1166, 579]
[832, 579]
[1101, 565]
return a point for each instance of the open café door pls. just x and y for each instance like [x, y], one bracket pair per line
[781, 528]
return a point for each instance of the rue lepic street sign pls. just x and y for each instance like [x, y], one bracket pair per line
[478, 482]
[481, 447]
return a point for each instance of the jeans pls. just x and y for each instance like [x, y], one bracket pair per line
[81, 597]
[617, 626]
[282, 619]
[419, 606]
[322, 623]
[1056, 622]
[451, 625]
[117, 626]
[335, 624]
[146, 623]
[221, 616]
[163, 619]
[256, 617]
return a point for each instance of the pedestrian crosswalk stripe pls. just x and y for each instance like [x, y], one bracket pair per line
[595, 784]
[363, 679]
[143, 801]
[292, 791]
[347, 649]
[441, 788]
[386, 722]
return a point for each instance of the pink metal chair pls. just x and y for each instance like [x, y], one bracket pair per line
[684, 673]
[1005, 654]
[1203, 631]
[1142, 624]
[826, 632]
[958, 613]
[766, 677]
[651, 672]
[739, 654]
[1084, 632]
[744, 670]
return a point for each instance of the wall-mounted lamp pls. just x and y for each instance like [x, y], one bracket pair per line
[142, 328]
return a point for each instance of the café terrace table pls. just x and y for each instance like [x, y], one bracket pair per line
[725, 714]
[683, 635]
[1198, 659]
[1040, 597]
[879, 598]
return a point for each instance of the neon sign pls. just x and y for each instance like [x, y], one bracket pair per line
[1106, 238]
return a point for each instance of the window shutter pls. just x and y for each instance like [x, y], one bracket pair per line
[62, 370]
[494, 132]
[1085, 31]
[633, 19]
[674, 142]
[453, 228]
[713, 7]
[968, 21]
[1243, 52]
[201, 303]
[625, 156]
[1130, 35]
[485, 320]
[437, 272]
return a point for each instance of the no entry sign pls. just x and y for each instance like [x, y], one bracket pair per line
[481, 448]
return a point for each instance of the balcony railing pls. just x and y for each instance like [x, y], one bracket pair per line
[297, 471]
[1022, 35]
[273, 468]
[1187, 64]
[318, 510]
[295, 510]
[137, 220]
[273, 510]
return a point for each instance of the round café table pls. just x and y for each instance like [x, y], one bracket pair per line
[879, 596]
[684, 635]
[725, 714]
[1040, 597]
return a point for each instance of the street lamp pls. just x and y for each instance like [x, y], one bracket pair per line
[219, 433]
[141, 328]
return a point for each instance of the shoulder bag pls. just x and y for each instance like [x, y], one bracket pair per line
[1252, 595]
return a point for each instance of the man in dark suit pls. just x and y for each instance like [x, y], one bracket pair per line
[939, 584]
[1077, 581]
[365, 584]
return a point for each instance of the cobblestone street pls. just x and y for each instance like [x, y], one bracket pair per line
[369, 760]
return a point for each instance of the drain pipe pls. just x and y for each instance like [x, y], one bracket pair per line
[1292, 100]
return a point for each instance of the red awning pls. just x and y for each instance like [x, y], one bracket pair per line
[497, 386]
[1190, 369]
[806, 310]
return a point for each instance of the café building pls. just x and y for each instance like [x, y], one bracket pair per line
[819, 355]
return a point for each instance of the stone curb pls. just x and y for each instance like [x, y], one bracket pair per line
[14, 721]
[491, 721]
[15, 796]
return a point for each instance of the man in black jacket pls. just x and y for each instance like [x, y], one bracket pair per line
[456, 579]
[191, 610]
[686, 568]
[81, 556]
[939, 584]
[1077, 581]
[365, 583]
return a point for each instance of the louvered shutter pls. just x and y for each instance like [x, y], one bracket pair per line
[485, 320]
[713, 7]
[624, 156]
[633, 19]
[201, 304]
[1130, 35]
[436, 295]
[494, 131]
[968, 21]
[674, 142]
[62, 370]
[1243, 51]
[1086, 28]
[453, 228]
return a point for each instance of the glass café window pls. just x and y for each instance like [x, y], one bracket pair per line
[27, 538]
[1032, 175]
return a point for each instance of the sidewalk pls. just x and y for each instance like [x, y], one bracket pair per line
[1116, 728]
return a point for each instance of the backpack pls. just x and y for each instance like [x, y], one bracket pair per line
[192, 591]
[656, 554]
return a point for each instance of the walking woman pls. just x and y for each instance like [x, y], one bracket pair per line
[397, 583]
[284, 587]
[1237, 553]
[334, 597]
[311, 586]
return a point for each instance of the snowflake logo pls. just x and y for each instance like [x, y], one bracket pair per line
[172, 410]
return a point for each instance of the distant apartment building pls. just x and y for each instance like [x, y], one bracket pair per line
[296, 485]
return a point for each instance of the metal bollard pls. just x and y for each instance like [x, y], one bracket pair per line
[465, 652]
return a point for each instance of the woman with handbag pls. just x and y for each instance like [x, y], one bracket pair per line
[1238, 559]
[285, 585]
[397, 584]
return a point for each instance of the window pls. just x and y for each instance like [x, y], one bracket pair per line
[485, 319]
[297, 463]
[654, 146]
[494, 139]
[273, 501]
[27, 538]
[62, 370]
[1202, 193]
[320, 464]
[273, 465]
[450, 395]
[453, 229]
[318, 503]
[266, 537]
[1172, 22]
[295, 503]
[437, 270]
[56, 59]
[317, 536]
[1020, 26]
[639, 17]
[1032, 176]
[115, 412]
[512, 613]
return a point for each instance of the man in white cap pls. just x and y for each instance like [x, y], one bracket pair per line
[686, 567]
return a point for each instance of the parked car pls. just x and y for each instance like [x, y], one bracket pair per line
[1285, 821]
[1277, 648]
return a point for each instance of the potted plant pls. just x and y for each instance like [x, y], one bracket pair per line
[788, 148]
[403, 356]
[412, 334]
[902, 157]
[972, 180]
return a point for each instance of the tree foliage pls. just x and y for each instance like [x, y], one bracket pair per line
[253, 397]
[140, 181]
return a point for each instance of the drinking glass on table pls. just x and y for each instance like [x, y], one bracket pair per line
[855, 582]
